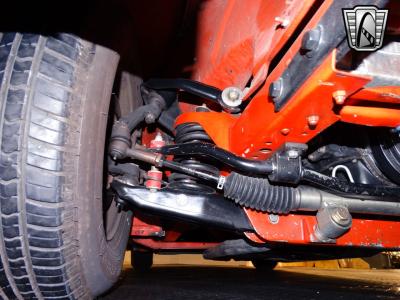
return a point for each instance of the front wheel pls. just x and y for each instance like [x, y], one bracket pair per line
[54, 96]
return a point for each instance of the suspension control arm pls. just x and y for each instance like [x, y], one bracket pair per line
[207, 209]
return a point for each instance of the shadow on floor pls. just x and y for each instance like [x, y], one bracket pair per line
[188, 282]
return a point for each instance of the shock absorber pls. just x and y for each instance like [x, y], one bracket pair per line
[187, 133]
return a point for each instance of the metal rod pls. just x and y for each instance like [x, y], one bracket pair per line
[189, 171]
[187, 85]
[311, 199]
[158, 160]
[261, 167]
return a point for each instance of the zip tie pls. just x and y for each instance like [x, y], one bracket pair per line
[221, 182]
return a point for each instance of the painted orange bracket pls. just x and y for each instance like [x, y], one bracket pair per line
[260, 129]
[143, 226]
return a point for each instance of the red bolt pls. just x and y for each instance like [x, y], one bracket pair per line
[154, 178]
[155, 175]
[285, 131]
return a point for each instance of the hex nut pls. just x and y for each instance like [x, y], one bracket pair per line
[312, 120]
[276, 88]
[311, 39]
[293, 154]
[232, 96]
[339, 96]
[149, 118]
[273, 218]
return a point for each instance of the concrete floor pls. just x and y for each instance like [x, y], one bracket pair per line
[237, 282]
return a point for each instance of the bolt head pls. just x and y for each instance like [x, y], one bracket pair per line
[341, 216]
[313, 120]
[283, 22]
[202, 108]
[342, 213]
[273, 219]
[339, 96]
[293, 154]
[311, 39]
[149, 118]
[285, 131]
[276, 88]
[158, 137]
[232, 96]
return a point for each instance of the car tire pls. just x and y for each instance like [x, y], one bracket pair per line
[54, 99]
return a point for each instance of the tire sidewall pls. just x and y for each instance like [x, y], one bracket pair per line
[101, 259]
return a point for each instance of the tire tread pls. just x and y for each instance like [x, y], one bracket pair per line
[38, 248]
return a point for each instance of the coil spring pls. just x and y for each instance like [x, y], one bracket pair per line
[186, 133]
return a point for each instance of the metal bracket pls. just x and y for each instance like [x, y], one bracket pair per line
[287, 163]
